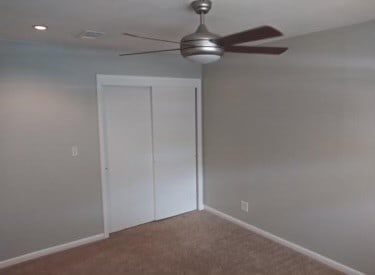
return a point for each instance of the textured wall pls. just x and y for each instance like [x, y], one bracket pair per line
[295, 137]
[48, 104]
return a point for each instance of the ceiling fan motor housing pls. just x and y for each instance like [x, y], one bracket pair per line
[201, 43]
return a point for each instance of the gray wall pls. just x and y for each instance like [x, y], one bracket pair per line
[295, 137]
[47, 104]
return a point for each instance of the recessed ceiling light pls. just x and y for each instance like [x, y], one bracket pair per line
[40, 27]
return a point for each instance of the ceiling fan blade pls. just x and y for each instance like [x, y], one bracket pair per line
[149, 38]
[147, 52]
[256, 50]
[260, 33]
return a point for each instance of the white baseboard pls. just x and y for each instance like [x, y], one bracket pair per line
[51, 250]
[295, 247]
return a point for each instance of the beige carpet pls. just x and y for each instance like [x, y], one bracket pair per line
[194, 243]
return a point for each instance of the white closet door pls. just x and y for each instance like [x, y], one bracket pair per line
[128, 135]
[174, 150]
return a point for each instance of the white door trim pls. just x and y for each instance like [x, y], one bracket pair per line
[140, 81]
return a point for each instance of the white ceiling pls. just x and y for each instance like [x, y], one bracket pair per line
[168, 19]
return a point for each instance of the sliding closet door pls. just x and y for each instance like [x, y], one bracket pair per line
[174, 135]
[128, 138]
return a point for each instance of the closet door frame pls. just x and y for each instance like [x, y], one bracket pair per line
[145, 81]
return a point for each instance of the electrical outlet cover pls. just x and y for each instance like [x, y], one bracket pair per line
[245, 206]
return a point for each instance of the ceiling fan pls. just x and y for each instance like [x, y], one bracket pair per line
[205, 47]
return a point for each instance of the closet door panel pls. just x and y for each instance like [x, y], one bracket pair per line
[128, 135]
[174, 139]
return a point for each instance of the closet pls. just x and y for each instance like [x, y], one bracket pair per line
[149, 149]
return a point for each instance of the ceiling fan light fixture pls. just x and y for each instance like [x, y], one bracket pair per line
[204, 58]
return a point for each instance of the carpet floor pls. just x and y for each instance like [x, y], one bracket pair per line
[193, 243]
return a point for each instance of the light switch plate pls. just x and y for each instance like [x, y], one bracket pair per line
[75, 151]
[245, 206]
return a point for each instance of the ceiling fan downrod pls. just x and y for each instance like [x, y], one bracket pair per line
[201, 7]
